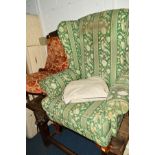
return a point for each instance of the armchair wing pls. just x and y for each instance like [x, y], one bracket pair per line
[55, 84]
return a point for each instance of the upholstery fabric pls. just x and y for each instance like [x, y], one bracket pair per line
[57, 59]
[56, 62]
[96, 45]
[55, 84]
[32, 82]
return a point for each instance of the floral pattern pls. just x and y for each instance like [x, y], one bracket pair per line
[57, 59]
[56, 62]
[32, 82]
[55, 84]
[96, 44]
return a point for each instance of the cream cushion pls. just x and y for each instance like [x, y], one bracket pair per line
[91, 89]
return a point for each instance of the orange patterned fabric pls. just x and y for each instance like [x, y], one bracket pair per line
[32, 82]
[57, 59]
[56, 62]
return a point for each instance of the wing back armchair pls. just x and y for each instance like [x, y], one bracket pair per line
[96, 45]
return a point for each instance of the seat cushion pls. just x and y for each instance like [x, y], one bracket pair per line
[88, 119]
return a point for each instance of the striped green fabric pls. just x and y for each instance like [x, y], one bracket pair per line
[96, 44]
[54, 85]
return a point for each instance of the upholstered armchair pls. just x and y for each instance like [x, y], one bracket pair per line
[96, 45]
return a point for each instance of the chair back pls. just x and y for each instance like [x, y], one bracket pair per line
[97, 44]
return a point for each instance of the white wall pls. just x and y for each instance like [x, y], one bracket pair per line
[31, 7]
[52, 12]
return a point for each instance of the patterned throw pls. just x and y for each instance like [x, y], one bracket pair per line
[96, 45]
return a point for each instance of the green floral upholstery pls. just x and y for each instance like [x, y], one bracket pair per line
[55, 84]
[96, 45]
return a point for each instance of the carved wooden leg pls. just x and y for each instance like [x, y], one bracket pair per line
[104, 149]
[58, 128]
[45, 133]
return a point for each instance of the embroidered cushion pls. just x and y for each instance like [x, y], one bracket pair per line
[91, 89]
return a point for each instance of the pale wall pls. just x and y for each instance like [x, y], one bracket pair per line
[52, 12]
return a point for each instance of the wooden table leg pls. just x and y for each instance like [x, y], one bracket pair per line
[45, 133]
[42, 123]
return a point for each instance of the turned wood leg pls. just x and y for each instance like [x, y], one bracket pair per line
[45, 133]
[104, 149]
[58, 128]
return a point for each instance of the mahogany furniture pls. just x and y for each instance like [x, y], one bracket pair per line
[42, 123]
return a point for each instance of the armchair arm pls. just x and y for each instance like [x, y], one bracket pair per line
[117, 101]
[116, 105]
[54, 85]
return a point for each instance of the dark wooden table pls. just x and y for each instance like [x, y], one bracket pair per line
[42, 123]
[40, 116]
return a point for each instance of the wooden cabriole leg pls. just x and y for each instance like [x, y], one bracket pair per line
[104, 149]
[58, 128]
[45, 133]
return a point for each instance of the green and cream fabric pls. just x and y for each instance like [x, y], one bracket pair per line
[55, 84]
[96, 45]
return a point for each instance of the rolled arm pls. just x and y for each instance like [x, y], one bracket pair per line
[117, 101]
[54, 85]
